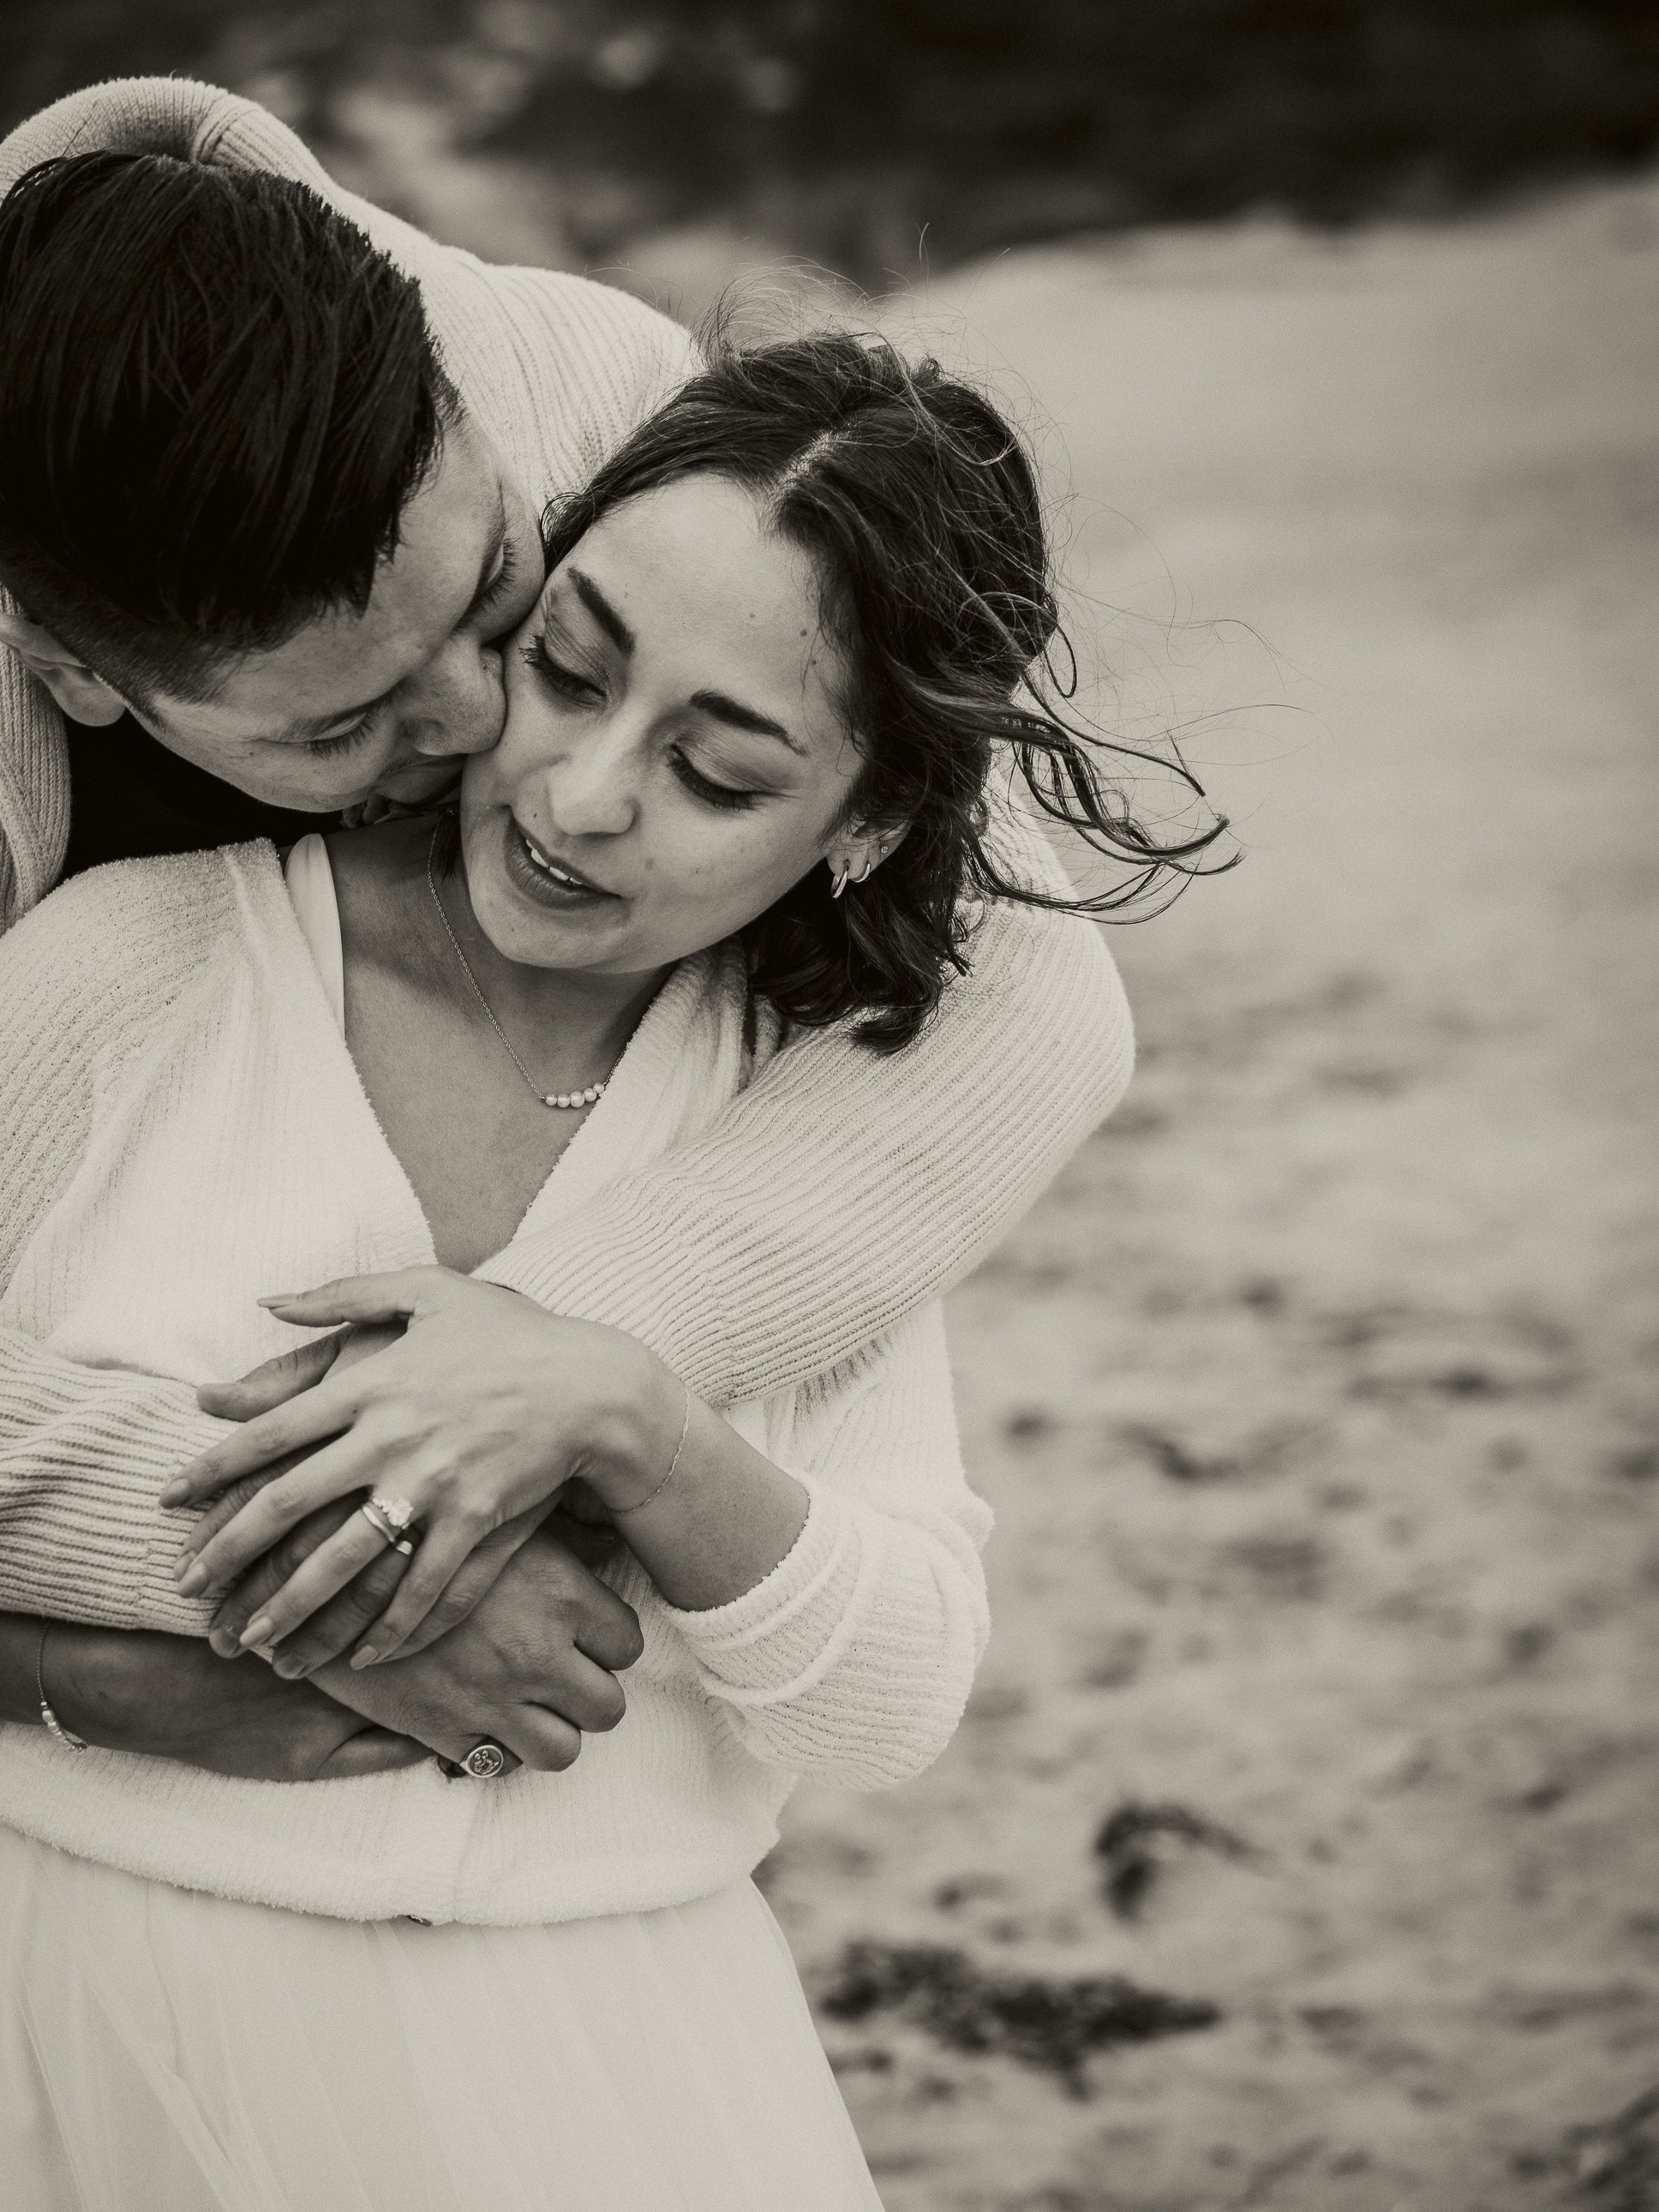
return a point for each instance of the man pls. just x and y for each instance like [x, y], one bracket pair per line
[270, 464]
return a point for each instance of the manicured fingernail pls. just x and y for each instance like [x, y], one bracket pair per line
[281, 1298]
[289, 1668]
[190, 1578]
[223, 1642]
[176, 1491]
[257, 1632]
[365, 1655]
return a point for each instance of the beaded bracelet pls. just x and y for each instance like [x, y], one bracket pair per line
[67, 1737]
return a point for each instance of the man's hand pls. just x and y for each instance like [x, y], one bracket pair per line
[168, 1697]
[533, 1666]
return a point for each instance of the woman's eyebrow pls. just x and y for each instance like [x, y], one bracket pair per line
[601, 610]
[711, 703]
[745, 718]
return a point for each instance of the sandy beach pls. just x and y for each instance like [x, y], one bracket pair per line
[1299, 1848]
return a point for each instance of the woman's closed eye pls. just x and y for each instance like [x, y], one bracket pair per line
[581, 689]
[569, 683]
[724, 795]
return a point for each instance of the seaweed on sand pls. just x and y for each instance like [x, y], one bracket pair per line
[1130, 1847]
[1052, 2025]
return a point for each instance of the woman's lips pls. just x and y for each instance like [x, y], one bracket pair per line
[552, 884]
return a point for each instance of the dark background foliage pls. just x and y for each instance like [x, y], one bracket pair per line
[850, 130]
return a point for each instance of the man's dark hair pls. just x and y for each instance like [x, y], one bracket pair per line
[216, 398]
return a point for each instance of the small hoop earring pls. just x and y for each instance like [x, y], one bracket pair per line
[839, 878]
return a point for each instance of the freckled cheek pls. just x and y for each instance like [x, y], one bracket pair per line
[697, 896]
[747, 877]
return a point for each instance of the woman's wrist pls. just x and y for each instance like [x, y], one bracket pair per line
[719, 1523]
[639, 1422]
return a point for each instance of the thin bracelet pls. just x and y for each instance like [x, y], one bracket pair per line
[67, 1737]
[639, 1504]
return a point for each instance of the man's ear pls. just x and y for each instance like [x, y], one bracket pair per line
[83, 697]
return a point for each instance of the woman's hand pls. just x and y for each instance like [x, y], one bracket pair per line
[485, 1409]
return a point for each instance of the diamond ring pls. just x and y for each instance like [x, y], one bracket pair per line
[390, 1515]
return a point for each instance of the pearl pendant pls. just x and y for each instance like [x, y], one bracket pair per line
[570, 1100]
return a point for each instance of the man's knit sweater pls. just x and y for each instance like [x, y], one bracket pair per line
[840, 1193]
[188, 1127]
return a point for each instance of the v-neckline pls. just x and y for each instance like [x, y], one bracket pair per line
[616, 1132]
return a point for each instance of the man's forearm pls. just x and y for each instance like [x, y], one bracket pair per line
[20, 1643]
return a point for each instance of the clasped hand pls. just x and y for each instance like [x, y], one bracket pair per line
[478, 1416]
[546, 1630]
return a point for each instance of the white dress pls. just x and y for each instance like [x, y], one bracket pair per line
[166, 2051]
[162, 2050]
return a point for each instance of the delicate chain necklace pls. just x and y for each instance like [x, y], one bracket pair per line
[571, 1101]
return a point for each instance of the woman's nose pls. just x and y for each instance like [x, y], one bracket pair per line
[590, 791]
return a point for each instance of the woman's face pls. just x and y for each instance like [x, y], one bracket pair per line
[673, 759]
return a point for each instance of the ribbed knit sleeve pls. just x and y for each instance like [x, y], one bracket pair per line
[846, 1189]
[854, 1658]
[83, 1450]
[560, 367]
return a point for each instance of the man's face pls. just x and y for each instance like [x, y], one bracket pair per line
[385, 703]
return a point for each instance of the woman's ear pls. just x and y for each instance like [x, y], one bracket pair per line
[83, 696]
[853, 859]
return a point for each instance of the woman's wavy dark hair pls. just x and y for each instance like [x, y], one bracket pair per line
[919, 507]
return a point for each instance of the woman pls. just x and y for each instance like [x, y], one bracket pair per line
[752, 727]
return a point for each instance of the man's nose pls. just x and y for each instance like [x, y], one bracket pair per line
[459, 704]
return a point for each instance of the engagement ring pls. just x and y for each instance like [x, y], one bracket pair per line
[390, 1515]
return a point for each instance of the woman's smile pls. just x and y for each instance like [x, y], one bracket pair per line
[555, 884]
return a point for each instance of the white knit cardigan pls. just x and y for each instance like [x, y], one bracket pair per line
[187, 1129]
[838, 1193]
